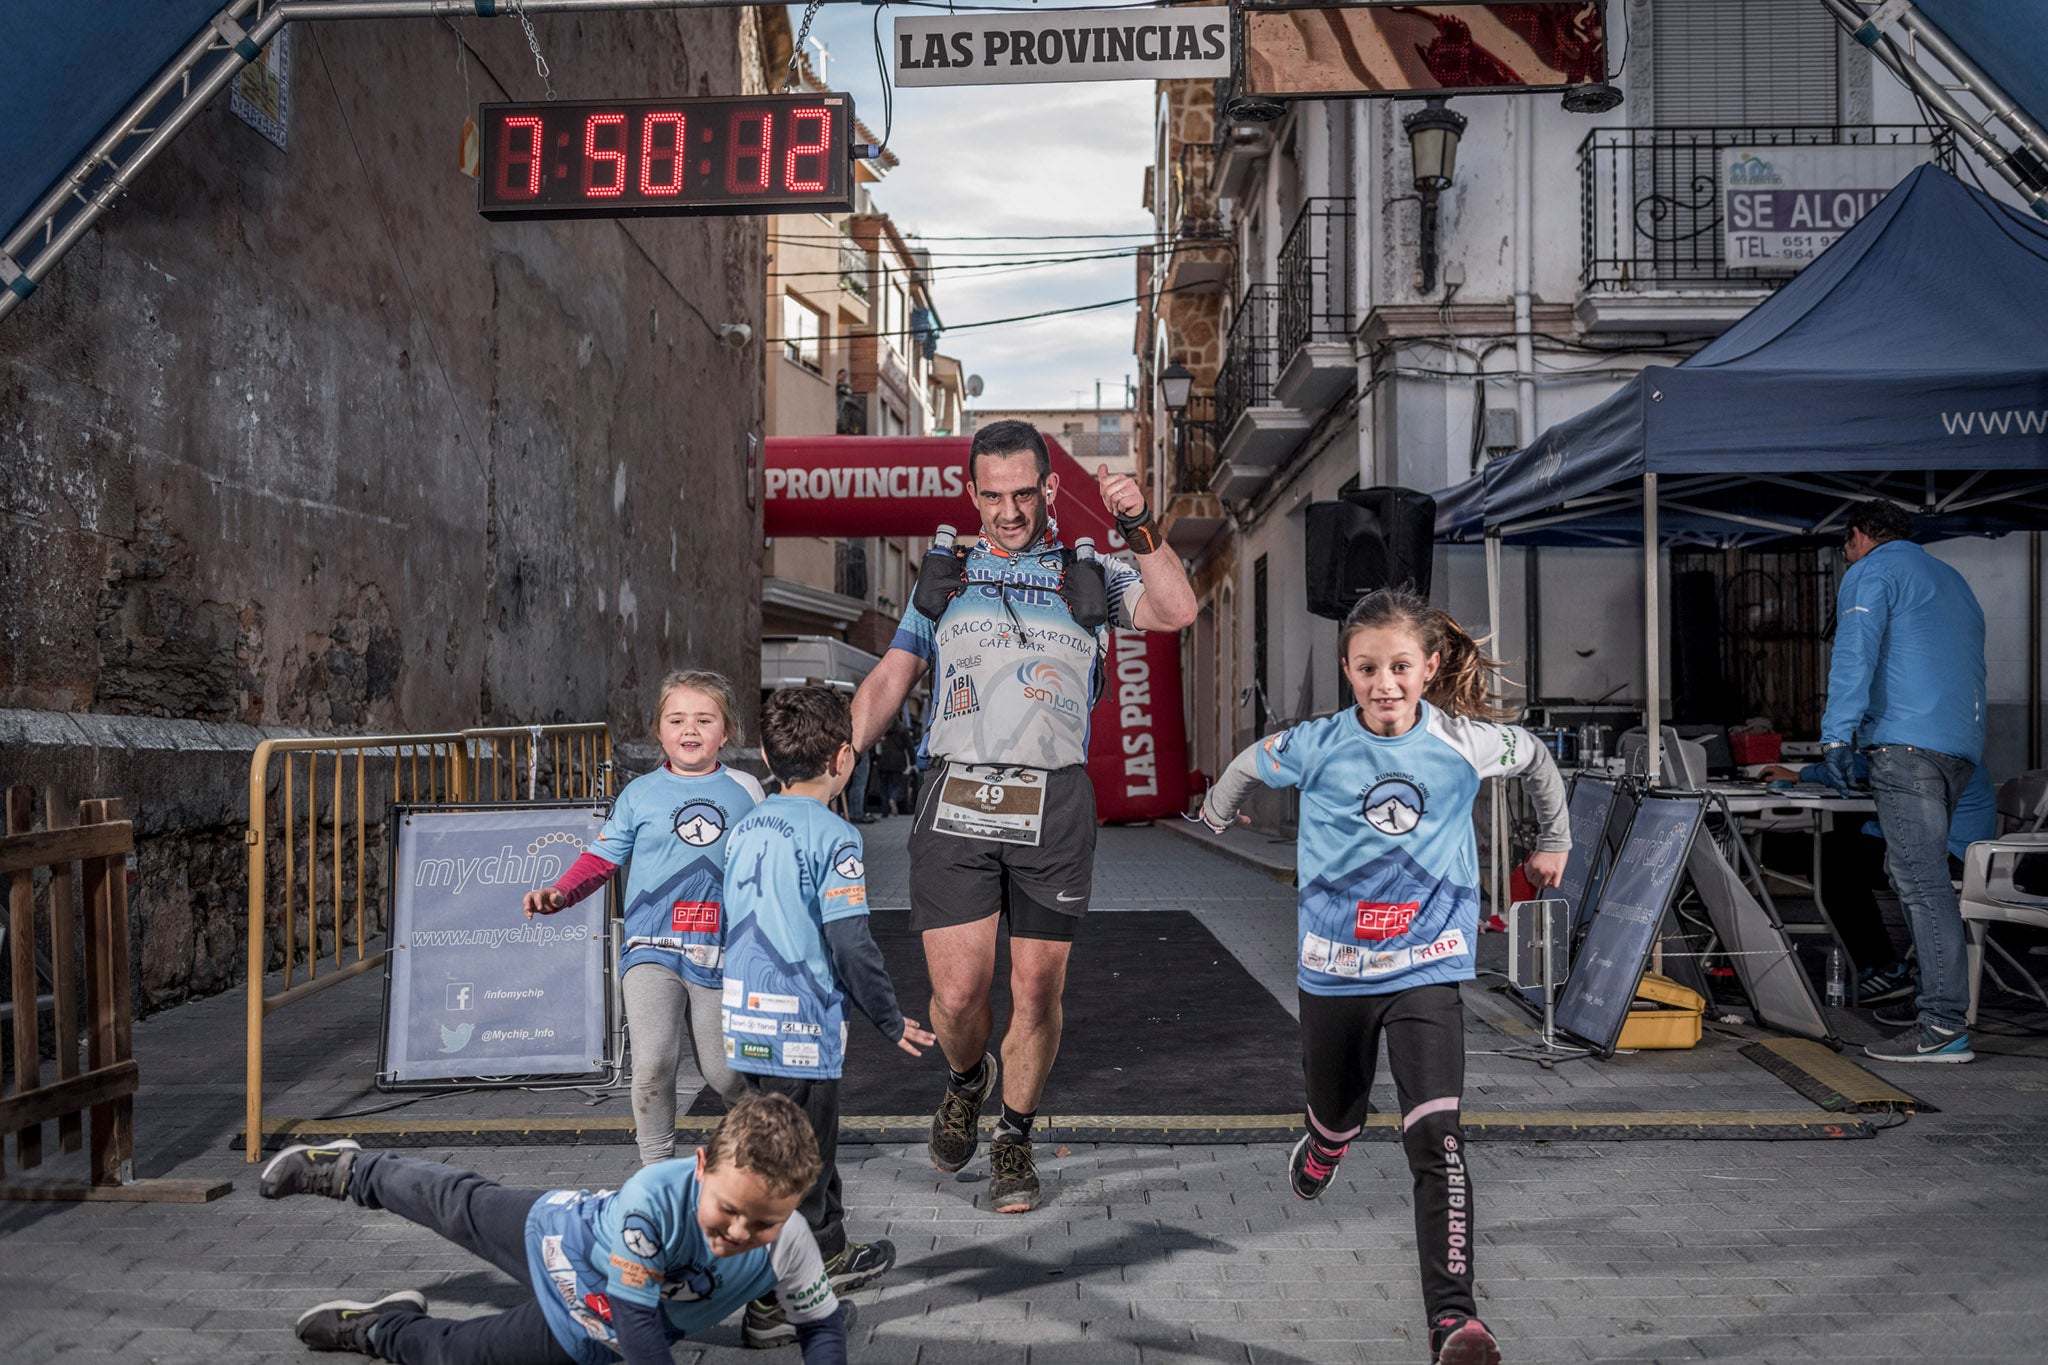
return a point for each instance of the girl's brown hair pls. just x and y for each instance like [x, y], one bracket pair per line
[1467, 681]
[712, 685]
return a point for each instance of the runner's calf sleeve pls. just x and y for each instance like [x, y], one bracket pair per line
[1084, 587]
[1444, 1235]
[939, 577]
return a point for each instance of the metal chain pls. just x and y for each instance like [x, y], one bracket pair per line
[540, 63]
[796, 49]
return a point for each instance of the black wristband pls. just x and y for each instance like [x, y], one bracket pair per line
[1140, 532]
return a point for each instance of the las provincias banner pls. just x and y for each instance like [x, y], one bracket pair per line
[908, 486]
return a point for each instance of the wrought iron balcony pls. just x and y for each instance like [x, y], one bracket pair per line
[1194, 213]
[1315, 276]
[1650, 200]
[853, 268]
[1194, 444]
[1250, 355]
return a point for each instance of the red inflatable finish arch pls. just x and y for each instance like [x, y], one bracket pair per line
[908, 486]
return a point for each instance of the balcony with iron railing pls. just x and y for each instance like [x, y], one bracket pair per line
[1258, 430]
[1236, 147]
[1199, 245]
[1193, 513]
[1652, 239]
[1315, 317]
[854, 265]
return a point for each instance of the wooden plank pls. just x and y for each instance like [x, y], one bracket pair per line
[64, 954]
[103, 1085]
[21, 947]
[124, 1016]
[22, 851]
[134, 1192]
[104, 1160]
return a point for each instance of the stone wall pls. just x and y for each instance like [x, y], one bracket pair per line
[296, 439]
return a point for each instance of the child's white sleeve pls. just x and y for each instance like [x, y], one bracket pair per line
[801, 1284]
[1510, 751]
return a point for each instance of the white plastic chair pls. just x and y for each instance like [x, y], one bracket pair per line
[1990, 897]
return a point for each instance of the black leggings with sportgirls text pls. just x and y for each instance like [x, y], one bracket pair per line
[1425, 1032]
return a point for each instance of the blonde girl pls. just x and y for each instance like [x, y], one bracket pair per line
[671, 824]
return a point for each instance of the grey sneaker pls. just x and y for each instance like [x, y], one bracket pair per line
[344, 1325]
[956, 1128]
[765, 1326]
[1924, 1043]
[860, 1265]
[1013, 1176]
[307, 1169]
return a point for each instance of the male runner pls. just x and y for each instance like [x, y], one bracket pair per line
[1005, 824]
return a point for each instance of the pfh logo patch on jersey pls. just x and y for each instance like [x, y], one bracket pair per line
[1393, 805]
[1382, 920]
[699, 824]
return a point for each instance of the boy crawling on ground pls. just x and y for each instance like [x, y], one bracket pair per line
[681, 1246]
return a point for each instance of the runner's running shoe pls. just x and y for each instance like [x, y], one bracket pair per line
[860, 1265]
[306, 1169]
[1458, 1340]
[1012, 1175]
[956, 1128]
[344, 1325]
[1882, 985]
[1311, 1166]
[765, 1326]
[1924, 1043]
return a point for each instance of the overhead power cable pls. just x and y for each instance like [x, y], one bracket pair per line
[993, 322]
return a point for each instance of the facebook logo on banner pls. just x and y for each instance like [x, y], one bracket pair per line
[461, 994]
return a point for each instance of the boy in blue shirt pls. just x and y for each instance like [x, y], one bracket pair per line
[614, 1276]
[797, 948]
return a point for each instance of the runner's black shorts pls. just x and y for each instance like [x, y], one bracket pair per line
[1041, 891]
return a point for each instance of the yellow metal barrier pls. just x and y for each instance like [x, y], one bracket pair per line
[362, 778]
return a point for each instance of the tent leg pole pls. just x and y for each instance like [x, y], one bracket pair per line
[1653, 682]
[1498, 803]
[2034, 650]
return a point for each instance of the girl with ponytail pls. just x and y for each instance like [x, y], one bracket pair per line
[1389, 906]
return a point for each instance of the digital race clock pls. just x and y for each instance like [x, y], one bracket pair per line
[642, 158]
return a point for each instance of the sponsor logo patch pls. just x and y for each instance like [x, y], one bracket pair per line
[799, 1026]
[733, 993]
[772, 1004]
[747, 1023]
[799, 1054]
[759, 1052]
[1384, 919]
[695, 917]
[632, 1274]
[852, 895]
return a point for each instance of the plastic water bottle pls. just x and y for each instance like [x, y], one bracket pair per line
[1084, 548]
[943, 541]
[1838, 963]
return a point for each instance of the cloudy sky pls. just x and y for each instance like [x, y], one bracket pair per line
[1011, 159]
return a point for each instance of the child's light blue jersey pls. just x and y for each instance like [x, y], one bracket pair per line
[794, 866]
[643, 1245]
[674, 829]
[1388, 860]
[1013, 677]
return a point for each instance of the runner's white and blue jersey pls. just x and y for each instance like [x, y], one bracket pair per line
[1013, 678]
[795, 866]
[673, 829]
[1388, 861]
[643, 1245]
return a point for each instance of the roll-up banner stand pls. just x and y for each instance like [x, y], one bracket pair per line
[474, 992]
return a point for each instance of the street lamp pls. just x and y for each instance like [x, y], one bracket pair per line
[1433, 132]
[1175, 384]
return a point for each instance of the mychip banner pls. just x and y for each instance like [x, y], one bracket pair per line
[473, 989]
[1063, 45]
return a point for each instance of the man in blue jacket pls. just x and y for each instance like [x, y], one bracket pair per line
[1908, 677]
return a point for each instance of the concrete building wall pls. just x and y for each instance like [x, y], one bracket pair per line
[296, 439]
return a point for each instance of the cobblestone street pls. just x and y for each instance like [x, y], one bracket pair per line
[1927, 1242]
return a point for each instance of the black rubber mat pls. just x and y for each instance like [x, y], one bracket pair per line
[1160, 1020]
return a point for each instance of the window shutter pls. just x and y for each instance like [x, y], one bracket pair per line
[1743, 63]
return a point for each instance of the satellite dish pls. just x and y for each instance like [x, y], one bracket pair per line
[974, 386]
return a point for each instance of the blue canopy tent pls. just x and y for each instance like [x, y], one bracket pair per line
[1910, 361]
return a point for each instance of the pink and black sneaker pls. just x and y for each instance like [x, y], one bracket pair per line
[1311, 1166]
[1458, 1340]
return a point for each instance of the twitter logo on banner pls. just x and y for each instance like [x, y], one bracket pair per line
[457, 1038]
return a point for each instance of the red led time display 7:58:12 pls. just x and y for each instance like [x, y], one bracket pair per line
[642, 158]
